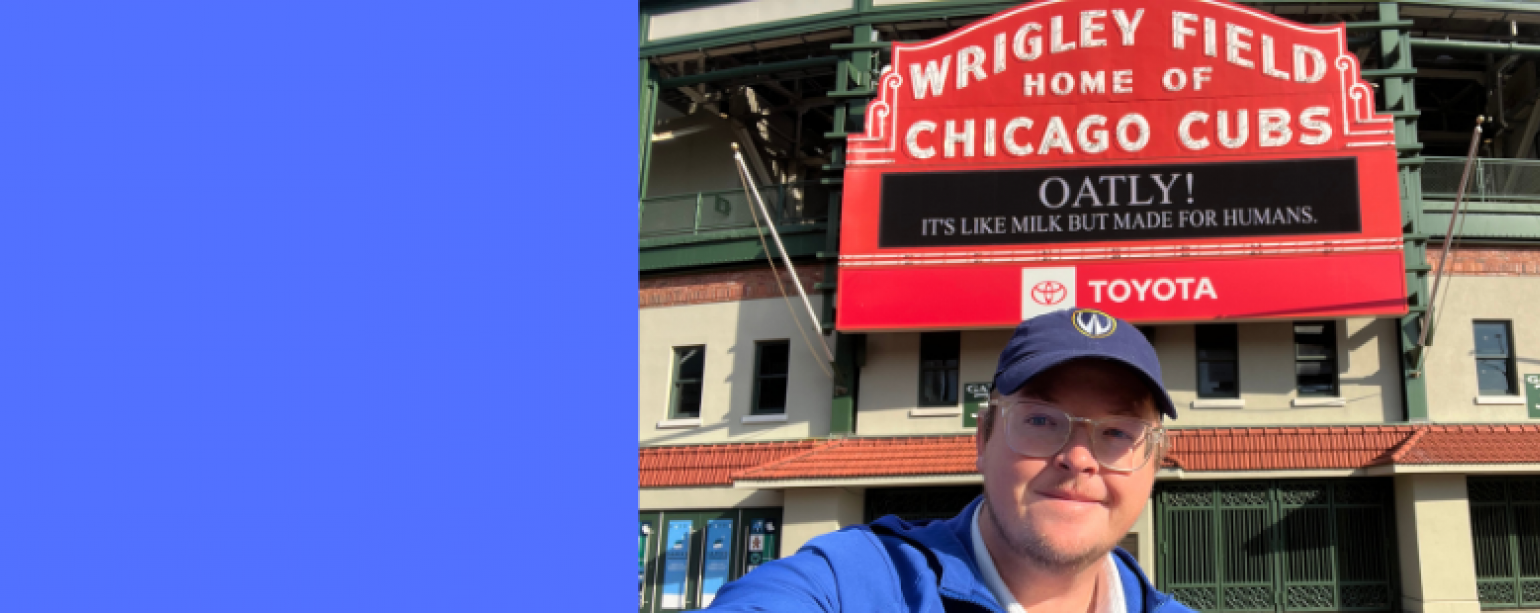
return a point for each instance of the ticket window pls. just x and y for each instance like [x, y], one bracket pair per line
[685, 557]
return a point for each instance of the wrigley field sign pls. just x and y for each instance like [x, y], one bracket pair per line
[1118, 144]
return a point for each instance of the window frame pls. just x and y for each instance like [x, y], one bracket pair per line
[759, 350]
[1330, 335]
[1508, 358]
[1198, 350]
[955, 370]
[674, 382]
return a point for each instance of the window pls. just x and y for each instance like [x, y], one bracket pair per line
[689, 367]
[938, 368]
[1148, 332]
[1218, 367]
[1494, 359]
[770, 358]
[1315, 357]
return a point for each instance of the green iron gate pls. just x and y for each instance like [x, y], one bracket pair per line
[1273, 546]
[1505, 530]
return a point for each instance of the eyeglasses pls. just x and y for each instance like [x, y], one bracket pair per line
[1037, 429]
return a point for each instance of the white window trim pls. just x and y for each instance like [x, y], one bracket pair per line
[1319, 401]
[1499, 400]
[679, 423]
[1219, 403]
[764, 419]
[935, 412]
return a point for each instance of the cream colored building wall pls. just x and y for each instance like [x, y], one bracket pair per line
[809, 512]
[890, 382]
[685, 498]
[1144, 528]
[1451, 361]
[1438, 561]
[1367, 382]
[729, 331]
[735, 14]
[1369, 389]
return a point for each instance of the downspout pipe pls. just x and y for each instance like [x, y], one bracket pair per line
[1473, 46]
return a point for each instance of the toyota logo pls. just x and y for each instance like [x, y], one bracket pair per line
[1048, 293]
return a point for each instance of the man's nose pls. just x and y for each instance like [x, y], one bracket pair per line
[1076, 454]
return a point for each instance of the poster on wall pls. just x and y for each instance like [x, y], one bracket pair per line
[718, 558]
[676, 563]
[1161, 160]
[755, 546]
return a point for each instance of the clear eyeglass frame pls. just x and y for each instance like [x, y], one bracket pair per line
[1155, 434]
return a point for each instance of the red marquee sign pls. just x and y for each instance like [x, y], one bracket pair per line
[1163, 160]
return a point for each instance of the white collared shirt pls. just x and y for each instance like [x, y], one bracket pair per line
[1110, 599]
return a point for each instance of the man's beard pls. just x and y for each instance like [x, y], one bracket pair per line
[1030, 544]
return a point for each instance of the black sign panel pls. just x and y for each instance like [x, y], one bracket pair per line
[1118, 203]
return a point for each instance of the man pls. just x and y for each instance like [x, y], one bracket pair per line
[1068, 449]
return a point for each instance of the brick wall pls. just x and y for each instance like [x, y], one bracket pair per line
[1498, 262]
[702, 288]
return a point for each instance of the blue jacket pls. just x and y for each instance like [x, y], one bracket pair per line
[895, 565]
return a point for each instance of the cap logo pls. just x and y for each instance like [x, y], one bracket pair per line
[1093, 323]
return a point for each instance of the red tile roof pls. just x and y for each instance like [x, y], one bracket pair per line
[1195, 450]
[689, 465]
[1476, 444]
[874, 457]
[1283, 448]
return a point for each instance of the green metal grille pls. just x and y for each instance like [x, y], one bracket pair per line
[1277, 545]
[1505, 533]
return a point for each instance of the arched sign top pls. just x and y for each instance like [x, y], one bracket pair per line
[1070, 81]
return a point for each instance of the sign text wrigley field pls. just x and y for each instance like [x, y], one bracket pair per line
[1170, 62]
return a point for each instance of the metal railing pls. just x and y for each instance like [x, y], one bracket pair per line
[1495, 180]
[701, 212]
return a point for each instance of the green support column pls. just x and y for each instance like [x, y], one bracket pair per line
[1395, 52]
[854, 85]
[849, 354]
[649, 100]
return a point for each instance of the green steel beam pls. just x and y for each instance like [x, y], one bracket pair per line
[1477, 225]
[649, 106]
[1395, 49]
[880, 45]
[748, 71]
[863, 12]
[847, 368]
[1472, 46]
[744, 250]
[1378, 25]
[853, 87]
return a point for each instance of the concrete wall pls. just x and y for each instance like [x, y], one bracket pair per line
[684, 498]
[809, 512]
[729, 331]
[890, 382]
[1369, 391]
[1438, 561]
[1451, 361]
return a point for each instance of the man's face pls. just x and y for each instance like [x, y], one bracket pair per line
[1067, 510]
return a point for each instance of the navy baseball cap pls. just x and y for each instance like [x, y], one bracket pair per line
[1054, 338]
